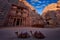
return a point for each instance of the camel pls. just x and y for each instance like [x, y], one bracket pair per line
[22, 35]
[38, 35]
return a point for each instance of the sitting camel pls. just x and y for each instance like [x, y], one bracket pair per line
[22, 35]
[38, 35]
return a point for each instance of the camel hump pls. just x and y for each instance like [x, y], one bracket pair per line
[39, 35]
[16, 33]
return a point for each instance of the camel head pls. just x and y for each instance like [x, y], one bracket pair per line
[31, 32]
[16, 33]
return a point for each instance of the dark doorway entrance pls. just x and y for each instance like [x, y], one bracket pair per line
[17, 23]
[20, 21]
[14, 21]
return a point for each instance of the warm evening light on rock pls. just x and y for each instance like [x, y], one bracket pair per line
[27, 4]
[52, 6]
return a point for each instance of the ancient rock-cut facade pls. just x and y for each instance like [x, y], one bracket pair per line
[17, 16]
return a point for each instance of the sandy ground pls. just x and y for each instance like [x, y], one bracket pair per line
[9, 33]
